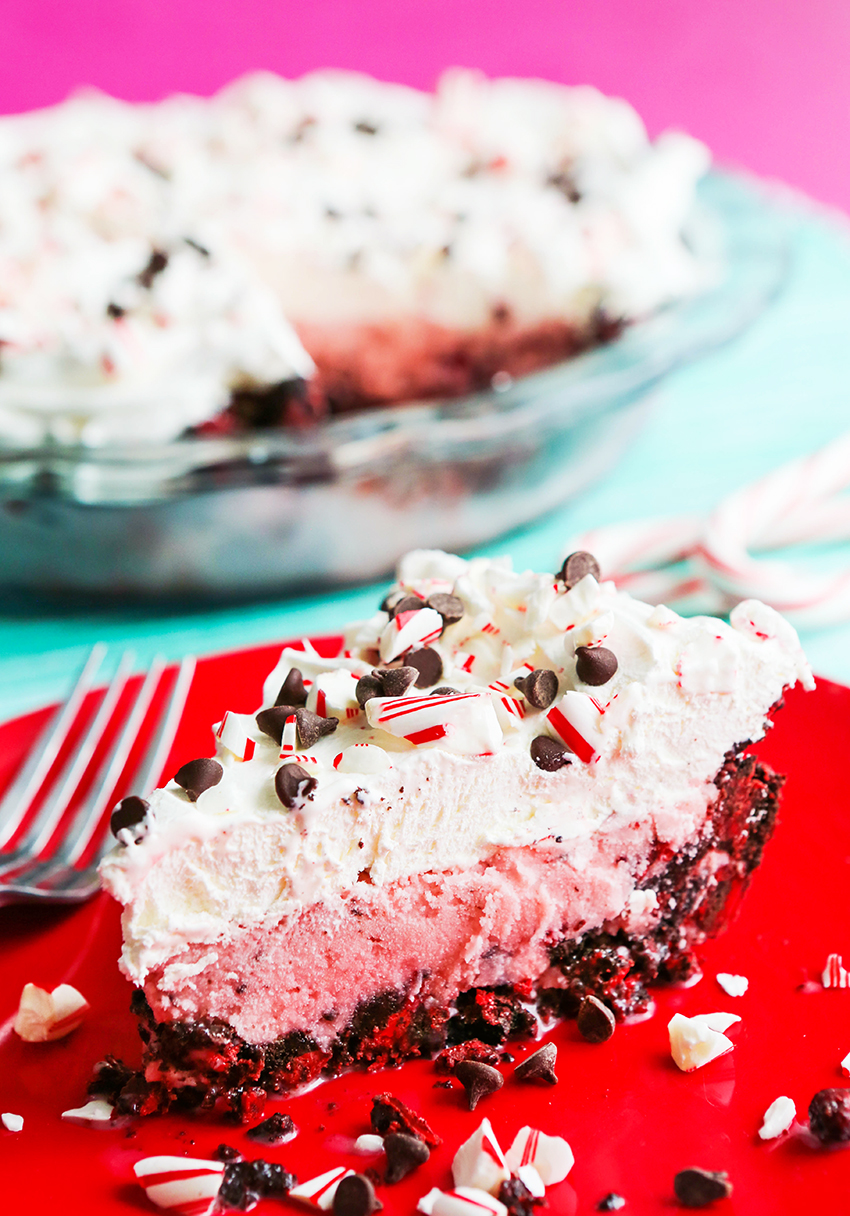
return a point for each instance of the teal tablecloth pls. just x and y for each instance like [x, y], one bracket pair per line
[781, 389]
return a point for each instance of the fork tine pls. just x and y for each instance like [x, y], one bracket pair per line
[18, 797]
[50, 816]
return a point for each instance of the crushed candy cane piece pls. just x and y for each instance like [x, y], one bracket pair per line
[778, 1118]
[532, 1181]
[332, 695]
[289, 737]
[185, 1185]
[96, 1111]
[845, 1065]
[697, 1041]
[12, 1123]
[319, 1191]
[835, 974]
[479, 1162]
[416, 628]
[732, 985]
[44, 1016]
[462, 1201]
[576, 719]
[368, 1143]
[550, 1156]
[234, 733]
[464, 723]
[363, 758]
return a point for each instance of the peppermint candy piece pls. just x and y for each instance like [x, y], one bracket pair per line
[185, 1185]
[732, 985]
[362, 758]
[408, 629]
[509, 709]
[479, 1162]
[12, 1122]
[44, 1016]
[333, 695]
[777, 1118]
[319, 1192]
[551, 1156]
[835, 974]
[696, 1041]
[532, 1181]
[576, 720]
[465, 723]
[462, 1201]
[233, 732]
[98, 1112]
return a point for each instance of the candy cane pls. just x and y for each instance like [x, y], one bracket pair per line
[183, 1185]
[319, 1192]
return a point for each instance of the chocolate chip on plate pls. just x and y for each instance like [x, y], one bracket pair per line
[549, 754]
[450, 607]
[404, 1154]
[696, 1188]
[577, 566]
[292, 690]
[428, 663]
[595, 665]
[596, 1023]
[395, 681]
[409, 603]
[313, 727]
[355, 1196]
[479, 1080]
[540, 688]
[540, 1066]
[198, 775]
[292, 782]
[274, 1130]
[272, 721]
[130, 813]
[829, 1116]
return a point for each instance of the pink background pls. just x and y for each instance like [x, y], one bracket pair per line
[765, 82]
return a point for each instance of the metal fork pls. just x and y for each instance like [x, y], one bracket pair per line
[37, 868]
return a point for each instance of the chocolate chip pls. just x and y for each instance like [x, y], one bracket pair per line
[272, 721]
[450, 607]
[395, 681]
[226, 1152]
[115, 311]
[576, 566]
[445, 690]
[355, 1196]
[366, 128]
[540, 688]
[274, 1130]
[829, 1116]
[540, 1066]
[312, 727]
[391, 598]
[595, 665]
[404, 1155]
[478, 1080]
[549, 754]
[130, 813]
[428, 663]
[696, 1188]
[612, 1202]
[199, 775]
[368, 687]
[292, 782]
[408, 603]
[596, 1022]
[156, 264]
[292, 690]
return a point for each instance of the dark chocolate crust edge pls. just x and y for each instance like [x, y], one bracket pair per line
[206, 1064]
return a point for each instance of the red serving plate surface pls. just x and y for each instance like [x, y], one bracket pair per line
[633, 1120]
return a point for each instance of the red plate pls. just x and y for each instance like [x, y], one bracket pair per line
[632, 1119]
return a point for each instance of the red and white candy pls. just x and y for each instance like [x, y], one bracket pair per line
[462, 1201]
[332, 695]
[319, 1192]
[363, 758]
[44, 1016]
[416, 628]
[184, 1185]
[697, 1041]
[289, 737]
[464, 723]
[510, 710]
[235, 732]
[576, 720]
[550, 1157]
[835, 974]
[97, 1113]
[480, 1162]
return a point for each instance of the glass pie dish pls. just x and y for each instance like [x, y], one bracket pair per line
[280, 511]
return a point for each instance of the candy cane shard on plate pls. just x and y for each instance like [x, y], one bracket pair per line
[462, 1201]
[464, 723]
[416, 628]
[777, 1118]
[12, 1122]
[44, 1016]
[319, 1192]
[97, 1113]
[835, 974]
[550, 1156]
[234, 732]
[480, 1162]
[697, 1041]
[576, 720]
[184, 1185]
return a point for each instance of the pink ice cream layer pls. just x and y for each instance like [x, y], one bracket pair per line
[433, 935]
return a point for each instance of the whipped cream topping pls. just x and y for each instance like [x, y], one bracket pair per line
[442, 777]
[328, 200]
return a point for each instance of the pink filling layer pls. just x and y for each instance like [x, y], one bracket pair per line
[434, 934]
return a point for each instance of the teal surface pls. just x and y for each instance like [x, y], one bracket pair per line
[781, 389]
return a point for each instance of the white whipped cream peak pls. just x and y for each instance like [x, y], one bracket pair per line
[449, 783]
